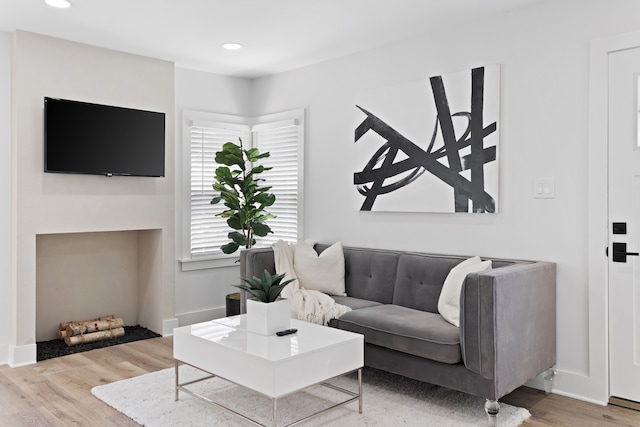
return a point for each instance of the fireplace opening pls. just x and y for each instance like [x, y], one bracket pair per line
[88, 274]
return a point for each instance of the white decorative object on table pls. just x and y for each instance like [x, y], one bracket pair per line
[267, 312]
[268, 318]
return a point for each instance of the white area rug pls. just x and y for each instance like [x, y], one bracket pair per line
[389, 400]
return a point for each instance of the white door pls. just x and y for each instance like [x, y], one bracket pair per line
[624, 225]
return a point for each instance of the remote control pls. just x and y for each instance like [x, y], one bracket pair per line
[286, 332]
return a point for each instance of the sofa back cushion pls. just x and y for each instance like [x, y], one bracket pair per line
[369, 274]
[409, 279]
[420, 280]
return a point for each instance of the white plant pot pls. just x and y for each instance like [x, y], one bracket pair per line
[268, 318]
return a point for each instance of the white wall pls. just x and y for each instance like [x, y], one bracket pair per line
[543, 52]
[6, 307]
[200, 293]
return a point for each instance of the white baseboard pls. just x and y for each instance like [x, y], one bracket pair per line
[168, 325]
[575, 386]
[22, 355]
[4, 354]
[581, 397]
[581, 387]
[201, 316]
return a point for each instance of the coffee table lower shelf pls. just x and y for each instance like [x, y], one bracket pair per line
[353, 396]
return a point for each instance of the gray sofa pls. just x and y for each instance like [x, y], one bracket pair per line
[507, 331]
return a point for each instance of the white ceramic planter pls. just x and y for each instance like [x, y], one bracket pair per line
[268, 318]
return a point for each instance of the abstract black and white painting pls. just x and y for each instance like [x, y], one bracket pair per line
[430, 145]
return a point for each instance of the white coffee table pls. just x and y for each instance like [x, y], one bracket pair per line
[271, 365]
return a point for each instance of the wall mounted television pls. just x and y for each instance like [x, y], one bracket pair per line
[85, 138]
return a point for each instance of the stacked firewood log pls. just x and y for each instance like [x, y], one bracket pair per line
[85, 331]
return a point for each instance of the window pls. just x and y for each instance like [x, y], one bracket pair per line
[282, 136]
[281, 141]
[208, 231]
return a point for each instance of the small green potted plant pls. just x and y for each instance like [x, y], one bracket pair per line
[267, 288]
[266, 312]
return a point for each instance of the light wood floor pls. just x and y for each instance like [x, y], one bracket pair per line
[57, 392]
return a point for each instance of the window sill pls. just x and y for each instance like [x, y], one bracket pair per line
[192, 264]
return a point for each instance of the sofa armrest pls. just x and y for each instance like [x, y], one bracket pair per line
[252, 263]
[508, 323]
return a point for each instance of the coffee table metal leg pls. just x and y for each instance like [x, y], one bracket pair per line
[275, 411]
[360, 390]
[177, 381]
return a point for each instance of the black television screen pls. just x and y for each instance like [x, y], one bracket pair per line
[87, 138]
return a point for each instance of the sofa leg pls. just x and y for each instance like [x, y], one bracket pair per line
[492, 407]
[548, 380]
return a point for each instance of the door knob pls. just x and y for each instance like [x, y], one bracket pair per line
[620, 252]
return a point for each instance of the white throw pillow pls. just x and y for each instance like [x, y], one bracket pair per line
[449, 301]
[324, 272]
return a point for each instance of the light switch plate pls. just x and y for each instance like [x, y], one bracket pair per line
[544, 188]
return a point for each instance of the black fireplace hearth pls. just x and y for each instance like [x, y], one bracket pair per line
[56, 348]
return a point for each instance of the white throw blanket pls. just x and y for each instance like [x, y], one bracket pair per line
[309, 305]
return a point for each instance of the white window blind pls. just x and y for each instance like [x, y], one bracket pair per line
[281, 140]
[208, 231]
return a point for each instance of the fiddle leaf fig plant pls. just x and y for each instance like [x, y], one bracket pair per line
[240, 190]
[267, 288]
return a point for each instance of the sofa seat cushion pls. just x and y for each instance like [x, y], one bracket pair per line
[416, 332]
[354, 303]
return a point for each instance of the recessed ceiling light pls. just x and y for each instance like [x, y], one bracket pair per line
[232, 46]
[62, 4]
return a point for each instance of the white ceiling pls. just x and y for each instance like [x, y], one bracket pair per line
[278, 35]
